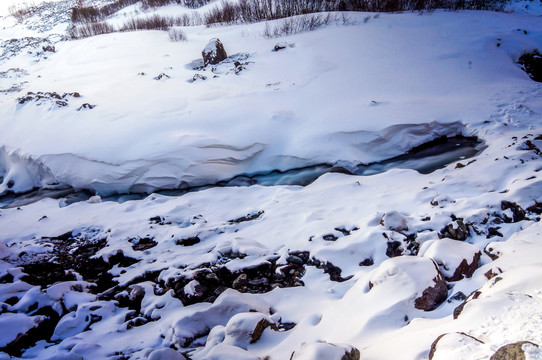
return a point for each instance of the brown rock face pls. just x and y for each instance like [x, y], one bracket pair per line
[511, 351]
[465, 269]
[433, 296]
[260, 327]
[214, 52]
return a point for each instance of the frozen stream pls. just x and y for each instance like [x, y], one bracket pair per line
[424, 159]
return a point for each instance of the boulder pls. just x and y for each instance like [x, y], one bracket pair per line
[165, 354]
[325, 350]
[418, 277]
[214, 52]
[395, 221]
[247, 328]
[457, 346]
[531, 62]
[455, 259]
[516, 351]
[199, 322]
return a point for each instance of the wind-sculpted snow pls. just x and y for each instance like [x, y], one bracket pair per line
[199, 164]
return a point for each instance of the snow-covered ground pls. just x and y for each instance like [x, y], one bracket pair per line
[384, 264]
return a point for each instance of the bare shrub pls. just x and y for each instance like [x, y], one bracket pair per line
[92, 14]
[176, 35]
[21, 12]
[155, 22]
[303, 23]
[91, 29]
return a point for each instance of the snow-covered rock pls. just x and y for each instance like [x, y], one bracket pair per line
[324, 350]
[214, 52]
[455, 259]
[417, 276]
[200, 322]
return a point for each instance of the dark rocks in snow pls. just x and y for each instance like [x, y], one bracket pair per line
[325, 350]
[51, 97]
[367, 262]
[531, 63]
[73, 253]
[43, 331]
[240, 282]
[249, 217]
[48, 48]
[159, 220]
[280, 46]
[518, 214]
[333, 271]
[512, 351]
[86, 106]
[214, 52]
[329, 237]
[493, 231]
[458, 296]
[536, 208]
[197, 77]
[188, 241]
[143, 244]
[161, 76]
[456, 230]
[394, 248]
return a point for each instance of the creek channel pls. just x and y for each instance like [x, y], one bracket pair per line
[425, 159]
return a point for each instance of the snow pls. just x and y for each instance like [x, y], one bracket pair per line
[342, 95]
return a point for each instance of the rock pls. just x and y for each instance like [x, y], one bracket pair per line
[456, 230]
[456, 346]
[420, 274]
[455, 259]
[393, 220]
[165, 354]
[515, 351]
[200, 321]
[240, 281]
[280, 46]
[531, 63]
[247, 328]
[86, 106]
[197, 77]
[324, 350]
[214, 52]
[161, 76]
[518, 214]
[48, 48]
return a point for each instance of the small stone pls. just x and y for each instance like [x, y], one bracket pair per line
[240, 282]
[292, 259]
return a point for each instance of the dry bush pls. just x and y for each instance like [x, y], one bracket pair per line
[155, 22]
[176, 35]
[91, 29]
[21, 12]
[303, 23]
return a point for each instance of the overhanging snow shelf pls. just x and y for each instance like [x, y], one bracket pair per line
[424, 158]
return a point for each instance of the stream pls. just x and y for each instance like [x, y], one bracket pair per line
[425, 159]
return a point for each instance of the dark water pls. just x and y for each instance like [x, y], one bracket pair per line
[424, 159]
